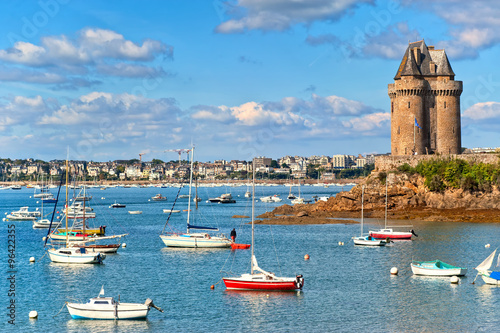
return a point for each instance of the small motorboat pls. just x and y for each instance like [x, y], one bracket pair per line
[101, 307]
[171, 211]
[436, 268]
[117, 205]
[159, 197]
[236, 246]
[135, 212]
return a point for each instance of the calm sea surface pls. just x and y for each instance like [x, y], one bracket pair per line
[347, 288]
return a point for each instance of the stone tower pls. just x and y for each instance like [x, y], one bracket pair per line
[425, 104]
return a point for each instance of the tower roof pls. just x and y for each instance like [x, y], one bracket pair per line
[411, 66]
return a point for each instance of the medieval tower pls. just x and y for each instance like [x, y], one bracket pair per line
[425, 104]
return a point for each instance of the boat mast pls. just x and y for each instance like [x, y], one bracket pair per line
[385, 220]
[253, 213]
[67, 171]
[362, 205]
[190, 184]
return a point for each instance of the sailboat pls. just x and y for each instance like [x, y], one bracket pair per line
[366, 240]
[484, 270]
[259, 279]
[389, 232]
[291, 196]
[68, 254]
[194, 240]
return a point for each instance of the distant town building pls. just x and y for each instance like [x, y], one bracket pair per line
[425, 103]
[262, 162]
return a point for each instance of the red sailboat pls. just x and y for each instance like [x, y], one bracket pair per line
[259, 279]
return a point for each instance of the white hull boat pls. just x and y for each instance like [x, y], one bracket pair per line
[73, 255]
[484, 270]
[195, 240]
[108, 308]
[436, 268]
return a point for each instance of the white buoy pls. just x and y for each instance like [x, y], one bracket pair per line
[124, 245]
[30, 196]
[44, 238]
[340, 243]
[149, 199]
[394, 271]
[33, 314]
[454, 279]
[32, 259]
[37, 202]
[3, 219]
[487, 246]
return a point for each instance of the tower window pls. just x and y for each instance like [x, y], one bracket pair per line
[453, 130]
[408, 105]
[445, 105]
[396, 149]
[406, 151]
[392, 107]
[399, 128]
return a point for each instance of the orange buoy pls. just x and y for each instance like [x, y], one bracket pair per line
[212, 287]
[306, 257]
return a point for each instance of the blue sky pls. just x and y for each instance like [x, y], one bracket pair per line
[243, 78]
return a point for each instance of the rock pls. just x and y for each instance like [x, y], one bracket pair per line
[301, 214]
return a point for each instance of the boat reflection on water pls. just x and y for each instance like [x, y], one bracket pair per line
[97, 326]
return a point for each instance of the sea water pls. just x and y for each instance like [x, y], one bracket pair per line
[347, 288]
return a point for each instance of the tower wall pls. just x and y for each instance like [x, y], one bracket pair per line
[408, 104]
[448, 134]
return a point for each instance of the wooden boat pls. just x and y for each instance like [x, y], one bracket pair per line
[366, 240]
[484, 270]
[194, 240]
[259, 279]
[101, 307]
[436, 268]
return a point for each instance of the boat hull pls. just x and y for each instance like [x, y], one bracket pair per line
[489, 280]
[71, 256]
[195, 241]
[110, 312]
[250, 283]
[110, 248]
[400, 235]
[368, 242]
[428, 270]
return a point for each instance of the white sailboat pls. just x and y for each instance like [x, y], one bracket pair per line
[73, 255]
[259, 279]
[366, 240]
[390, 232]
[485, 270]
[194, 240]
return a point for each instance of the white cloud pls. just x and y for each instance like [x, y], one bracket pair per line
[282, 14]
[94, 51]
[486, 111]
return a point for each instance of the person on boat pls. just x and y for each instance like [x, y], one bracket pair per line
[233, 235]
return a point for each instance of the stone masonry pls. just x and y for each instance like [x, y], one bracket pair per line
[425, 104]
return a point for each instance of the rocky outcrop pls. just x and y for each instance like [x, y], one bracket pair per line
[407, 198]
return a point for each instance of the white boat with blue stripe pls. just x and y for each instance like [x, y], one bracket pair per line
[193, 240]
